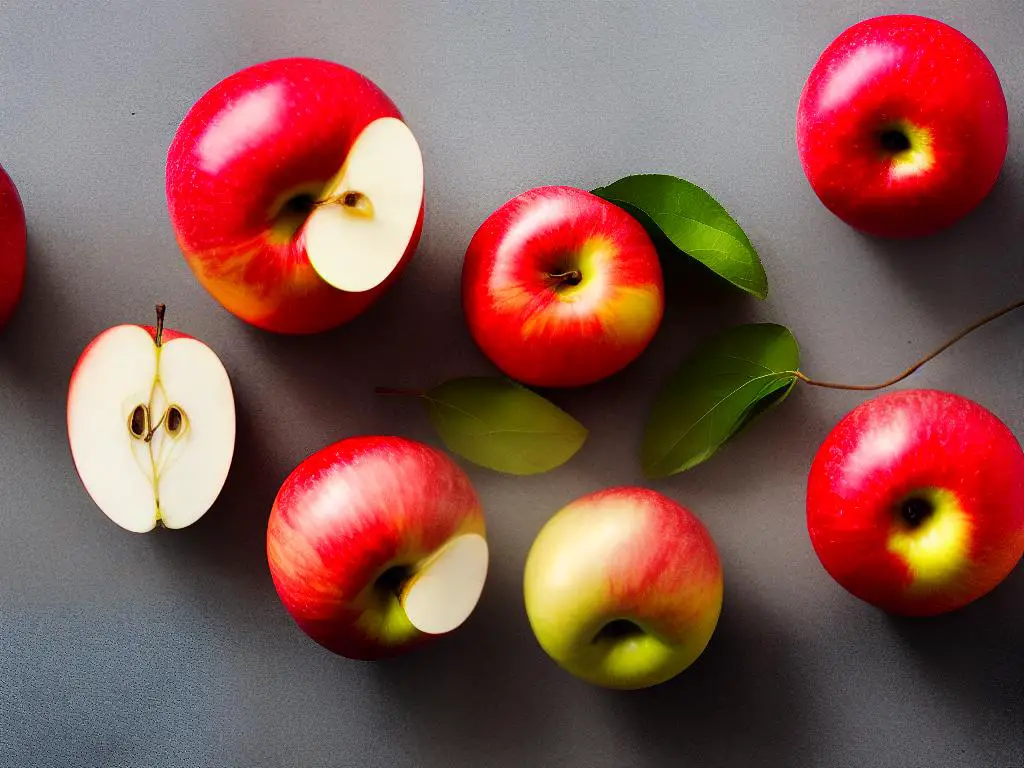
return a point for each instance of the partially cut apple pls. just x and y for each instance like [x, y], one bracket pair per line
[360, 229]
[151, 423]
[443, 592]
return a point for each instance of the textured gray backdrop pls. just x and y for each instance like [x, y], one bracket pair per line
[172, 649]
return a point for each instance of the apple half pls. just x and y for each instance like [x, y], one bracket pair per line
[151, 424]
[359, 230]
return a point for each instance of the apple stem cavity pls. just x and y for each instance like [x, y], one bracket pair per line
[932, 355]
[915, 511]
[894, 141]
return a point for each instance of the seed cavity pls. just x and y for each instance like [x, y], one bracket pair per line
[174, 421]
[138, 422]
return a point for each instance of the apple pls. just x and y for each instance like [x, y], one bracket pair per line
[623, 588]
[376, 545]
[902, 126]
[151, 423]
[295, 191]
[13, 246]
[915, 502]
[561, 288]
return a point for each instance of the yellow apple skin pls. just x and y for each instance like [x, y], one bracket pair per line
[623, 588]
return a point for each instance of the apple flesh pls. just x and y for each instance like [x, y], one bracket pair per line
[561, 288]
[377, 544]
[915, 502]
[902, 126]
[13, 247]
[295, 191]
[623, 588]
[151, 424]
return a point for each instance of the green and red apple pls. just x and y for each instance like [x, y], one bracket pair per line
[151, 424]
[376, 545]
[623, 588]
[13, 247]
[561, 288]
[902, 126]
[295, 190]
[915, 502]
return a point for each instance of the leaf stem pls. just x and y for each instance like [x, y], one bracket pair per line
[398, 391]
[900, 377]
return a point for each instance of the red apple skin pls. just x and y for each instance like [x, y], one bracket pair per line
[920, 75]
[256, 139]
[13, 248]
[892, 447]
[346, 515]
[537, 328]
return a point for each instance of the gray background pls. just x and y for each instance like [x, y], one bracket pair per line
[172, 649]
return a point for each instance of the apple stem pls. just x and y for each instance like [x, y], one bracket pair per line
[160, 310]
[572, 277]
[399, 391]
[900, 377]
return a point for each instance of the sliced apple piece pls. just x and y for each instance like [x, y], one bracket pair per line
[151, 424]
[362, 226]
[443, 592]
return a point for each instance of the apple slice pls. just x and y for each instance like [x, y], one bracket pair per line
[443, 592]
[362, 225]
[151, 423]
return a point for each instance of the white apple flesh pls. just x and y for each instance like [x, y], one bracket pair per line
[356, 235]
[151, 424]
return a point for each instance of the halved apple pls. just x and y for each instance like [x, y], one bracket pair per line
[357, 234]
[151, 423]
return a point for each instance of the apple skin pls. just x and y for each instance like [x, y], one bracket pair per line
[258, 138]
[13, 248]
[348, 514]
[631, 554]
[539, 329]
[918, 443]
[929, 81]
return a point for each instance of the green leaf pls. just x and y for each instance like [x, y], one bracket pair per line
[728, 382]
[694, 223]
[502, 425]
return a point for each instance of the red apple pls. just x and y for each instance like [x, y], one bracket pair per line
[296, 193]
[623, 588]
[13, 245]
[151, 423]
[377, 544]
[902, 126]
[561, 288]
[915, 502]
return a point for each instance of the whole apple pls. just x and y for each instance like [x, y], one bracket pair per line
[623, 588]
[13, 246]
[296, 193]
[151, 424]
[902, 126]
[377, 544]
[915, 502]
[561, 288]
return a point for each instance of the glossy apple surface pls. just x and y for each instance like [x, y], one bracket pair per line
[151, 425]
[377, 544]
[13, 244]
[623, 588]
[902, 126]
[561, 288]
[915, 502]
[259, 158]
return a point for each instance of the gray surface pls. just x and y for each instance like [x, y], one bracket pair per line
[172, 649]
